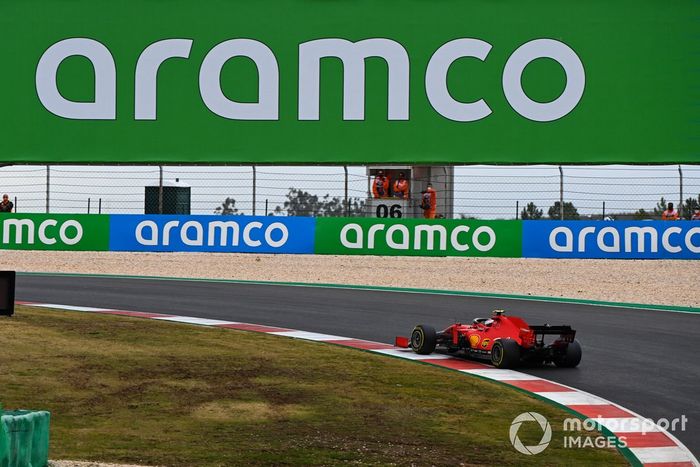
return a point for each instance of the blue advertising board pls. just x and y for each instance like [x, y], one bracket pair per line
[224, 234]
[612, 239]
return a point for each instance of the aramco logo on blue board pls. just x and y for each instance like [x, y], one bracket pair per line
[243, 234]
[623, 240]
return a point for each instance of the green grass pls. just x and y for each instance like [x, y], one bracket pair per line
[138, 391]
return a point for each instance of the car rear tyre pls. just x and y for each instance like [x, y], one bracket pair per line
[423, 339]
[571, 357]
[505, 353]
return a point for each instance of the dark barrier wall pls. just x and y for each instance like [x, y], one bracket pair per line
[356, 82]
[7, 295]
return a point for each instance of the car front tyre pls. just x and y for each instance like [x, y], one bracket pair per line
[423, 339]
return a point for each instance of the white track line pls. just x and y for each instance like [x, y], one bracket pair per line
[200, 321]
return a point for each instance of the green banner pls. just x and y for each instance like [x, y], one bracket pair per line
[356, 82]
[418, 237]
[79, 232]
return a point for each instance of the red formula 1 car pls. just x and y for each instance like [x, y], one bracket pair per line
[507, 341]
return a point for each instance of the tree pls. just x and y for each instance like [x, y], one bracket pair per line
[642, 214]
[356, 207]
[530, 212]
[689, 207]
[227, 208]
[570, 211]
[303, 203]
[660, 207]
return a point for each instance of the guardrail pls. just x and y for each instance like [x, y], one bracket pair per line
[353, 236]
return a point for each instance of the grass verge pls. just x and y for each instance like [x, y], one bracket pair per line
[137, 391]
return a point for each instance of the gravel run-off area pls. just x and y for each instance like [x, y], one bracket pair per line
[669, 282]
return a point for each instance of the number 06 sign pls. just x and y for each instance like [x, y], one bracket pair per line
[389, 208]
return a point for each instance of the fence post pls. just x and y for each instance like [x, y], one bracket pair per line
[561, 193]
[255, 177]
[48, 186]
[266, 210]
[99, 206]
[160, 190]
[680, 178]
[517, 209]
[88, 205]
[346, 205]
[15, 205]
[603, 210]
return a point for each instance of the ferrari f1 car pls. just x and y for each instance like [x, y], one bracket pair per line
[507, 341]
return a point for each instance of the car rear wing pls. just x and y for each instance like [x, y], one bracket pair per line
[565, 332]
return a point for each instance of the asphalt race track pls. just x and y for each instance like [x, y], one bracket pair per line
[645, 360]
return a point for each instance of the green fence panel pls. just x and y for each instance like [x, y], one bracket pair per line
[418, 237]
[4, 446]
[54, 232]
[40, 439]
[26, 438]
[20, 431]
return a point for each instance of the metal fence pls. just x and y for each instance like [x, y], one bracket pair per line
[485, 192]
